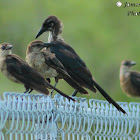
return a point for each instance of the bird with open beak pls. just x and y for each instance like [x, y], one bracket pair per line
[41, 59]
[71, 61]
[17, 70]
[129, 79]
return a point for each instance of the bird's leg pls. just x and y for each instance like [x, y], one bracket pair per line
[30, 91]
[27, 88]
[74, 93]
[53, 89]
[26, 91]
[56, 82]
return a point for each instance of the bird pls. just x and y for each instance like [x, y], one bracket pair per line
[129, 79]
[17, 70]
[71, 61]
[41, 59]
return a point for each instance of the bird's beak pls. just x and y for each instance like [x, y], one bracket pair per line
[41, 31]
[132, 63]
[9, 47]
[47, 45]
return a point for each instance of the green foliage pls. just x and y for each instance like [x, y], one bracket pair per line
[101, 33]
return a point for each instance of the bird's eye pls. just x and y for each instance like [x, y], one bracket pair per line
[3, 47]
[38, 45]
[126, 63]
[51, 24]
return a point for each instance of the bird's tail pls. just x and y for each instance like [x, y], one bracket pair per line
[60, 92]
[108, 98]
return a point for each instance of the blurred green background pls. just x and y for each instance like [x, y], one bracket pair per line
[100, 32]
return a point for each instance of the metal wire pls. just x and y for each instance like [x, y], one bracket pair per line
[39, 117]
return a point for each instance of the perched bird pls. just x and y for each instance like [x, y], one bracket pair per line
[41, 59]
[17, 70]
[71, 61]
[129, 80]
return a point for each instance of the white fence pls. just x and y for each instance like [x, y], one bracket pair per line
[39, 117]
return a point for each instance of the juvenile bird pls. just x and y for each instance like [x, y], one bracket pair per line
[71, 61]
[17, 70]
[129, 80]
[41, 59]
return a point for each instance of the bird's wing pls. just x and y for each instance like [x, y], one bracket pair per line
[135, 79]
[22, 71]
[53, 62]
[73, 64]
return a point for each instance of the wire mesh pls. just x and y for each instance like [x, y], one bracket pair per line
[39, 117]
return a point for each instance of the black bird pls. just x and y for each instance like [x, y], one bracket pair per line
[129, 80]
[73, 64]
[17, 70]
[41, 59]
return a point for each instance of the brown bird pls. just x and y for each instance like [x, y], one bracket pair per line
[129, 80]
[41, 59]
[17, 70]
[71, 61]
